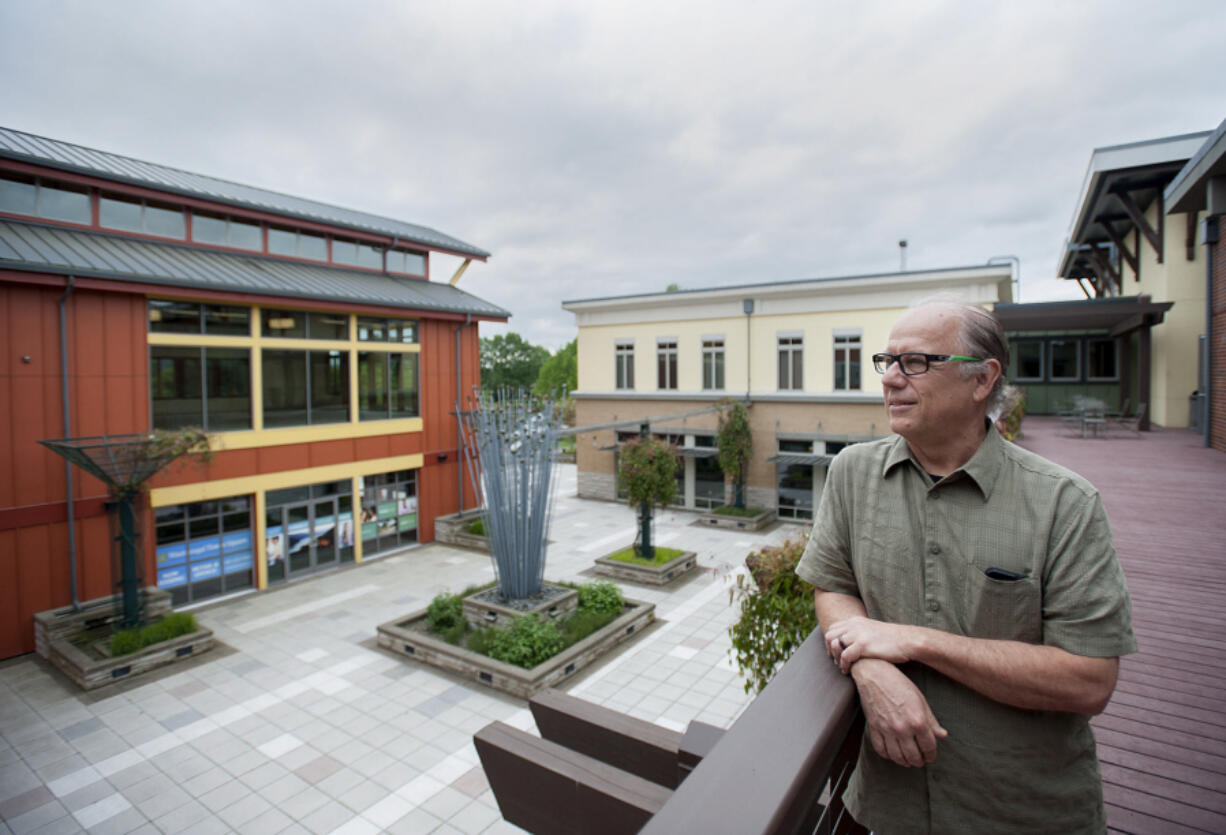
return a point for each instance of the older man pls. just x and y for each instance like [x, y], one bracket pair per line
[971, 590]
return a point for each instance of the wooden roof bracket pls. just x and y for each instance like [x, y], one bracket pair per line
[1125, 253]
[1108, 277]
[459, 272]
[1154, 236]
[1081, 282]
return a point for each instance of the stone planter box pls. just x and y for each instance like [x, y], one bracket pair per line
[649, 575]
[409, 637]
[736, 523]
[56, 629]
[483, 609]
[451, 529]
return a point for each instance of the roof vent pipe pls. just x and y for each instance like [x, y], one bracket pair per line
[1015, 270]
[902, 255]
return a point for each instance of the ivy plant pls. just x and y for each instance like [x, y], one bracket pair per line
[647, 471]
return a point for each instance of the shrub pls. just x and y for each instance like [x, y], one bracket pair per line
[601, 598]
[776, 613]
[128, 641]
[583, 623]
[528, 641]
[444, 613]
[730, 510]
[476, 527]
[735, 444]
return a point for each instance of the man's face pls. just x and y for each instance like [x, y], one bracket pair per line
[939, 403]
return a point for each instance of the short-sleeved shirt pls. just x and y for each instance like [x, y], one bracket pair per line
[918, 552]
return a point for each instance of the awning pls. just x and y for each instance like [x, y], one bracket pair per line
[699, 452]
[801, 458]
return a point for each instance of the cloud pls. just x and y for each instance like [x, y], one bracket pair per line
[609, 148]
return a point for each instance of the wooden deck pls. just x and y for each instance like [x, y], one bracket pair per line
[1162, 740]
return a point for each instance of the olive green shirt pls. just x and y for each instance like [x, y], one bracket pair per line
[916, 553]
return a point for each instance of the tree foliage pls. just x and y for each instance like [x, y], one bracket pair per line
[777, 613]
[560, 372]
[509, 360]
[735, 444]
[647, 471]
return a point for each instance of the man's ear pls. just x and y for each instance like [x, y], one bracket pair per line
[986, 379]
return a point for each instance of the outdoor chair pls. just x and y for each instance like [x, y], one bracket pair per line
[1123, 411]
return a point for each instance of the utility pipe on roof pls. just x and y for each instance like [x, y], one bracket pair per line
[1211, 235]
[1015, 270]
[67, 417]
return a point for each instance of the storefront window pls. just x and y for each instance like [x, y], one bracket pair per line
[389, 511]
[308, 529]
[204, 549]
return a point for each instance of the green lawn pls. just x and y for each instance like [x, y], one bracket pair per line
[663, 555]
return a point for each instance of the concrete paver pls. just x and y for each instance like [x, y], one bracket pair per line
[299, 723]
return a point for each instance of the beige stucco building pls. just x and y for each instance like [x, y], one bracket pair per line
[796, 351]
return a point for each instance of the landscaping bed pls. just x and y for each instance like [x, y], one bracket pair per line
[625, 564]
[531, 651]
[737, 518]
[463, 529]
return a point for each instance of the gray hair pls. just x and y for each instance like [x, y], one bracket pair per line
[981, 336]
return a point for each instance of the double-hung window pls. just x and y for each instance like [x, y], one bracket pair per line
[847, 360]
[666, 362]
[713, 363]
[623, 359]
[791, 362]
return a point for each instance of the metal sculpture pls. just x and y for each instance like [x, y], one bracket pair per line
[510, 437]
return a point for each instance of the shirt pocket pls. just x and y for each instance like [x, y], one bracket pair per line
[1006, 610]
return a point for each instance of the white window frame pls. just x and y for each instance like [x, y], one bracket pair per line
[791, 344]
[713, 348]
[858, 344]
[666, 363]
[623, 364]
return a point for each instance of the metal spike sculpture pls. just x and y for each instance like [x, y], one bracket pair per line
[510, 437]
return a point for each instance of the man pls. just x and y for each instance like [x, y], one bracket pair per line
[971, 590]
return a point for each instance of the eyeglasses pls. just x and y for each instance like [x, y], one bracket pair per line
[913, 362]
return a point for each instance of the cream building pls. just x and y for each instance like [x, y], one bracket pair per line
[1122, 242]
[796, 351]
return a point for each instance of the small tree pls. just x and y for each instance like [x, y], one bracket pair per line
[647, 471]
[776, 613]
[735, 443]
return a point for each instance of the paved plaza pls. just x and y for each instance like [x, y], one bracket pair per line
[297, 722]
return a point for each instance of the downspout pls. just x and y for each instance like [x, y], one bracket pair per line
[1212, 233]
[459, 421]
[747, 306]
[72, 516]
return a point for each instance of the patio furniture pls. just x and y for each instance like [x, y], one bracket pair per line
[1132, 422]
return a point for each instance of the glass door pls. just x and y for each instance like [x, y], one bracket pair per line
[299, 544]
[323, 522]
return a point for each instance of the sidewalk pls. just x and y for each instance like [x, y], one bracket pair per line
[297, 722]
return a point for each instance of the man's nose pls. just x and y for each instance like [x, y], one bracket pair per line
[893, 375]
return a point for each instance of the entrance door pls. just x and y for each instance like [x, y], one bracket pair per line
[309, 538]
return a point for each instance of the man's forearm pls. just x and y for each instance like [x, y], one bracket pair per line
[833, 607]
[1018, 674]
[1023, 675]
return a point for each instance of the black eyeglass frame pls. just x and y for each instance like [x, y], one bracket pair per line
[883, 361]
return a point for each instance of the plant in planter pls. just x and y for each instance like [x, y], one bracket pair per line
[777, 613]
[735, 443]
[647, 471]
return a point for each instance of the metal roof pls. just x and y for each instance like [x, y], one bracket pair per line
[1118, 314]
[41, 248]
[15, 144]
[1186, 193]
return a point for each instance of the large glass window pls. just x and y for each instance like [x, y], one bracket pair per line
[305, 387]
[389, 511]
[713, 363]
[1065, 359]
[26, 195]
[666, 364]
[847, 361]
[308, 528]
[136, 215]
[1027, 360]
[623, 353]
[204, 549]
[371, 329]
[299, 324]
[219, 399]
[791, 362]
[208, 228]
[387, 385]
[795, 482]
[708, 477]
[412, 263]
[1100, 359]
[357, 254]
[169, 316]
[298, 244]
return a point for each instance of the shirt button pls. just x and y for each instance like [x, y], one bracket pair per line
[934, 548]
[934, 606]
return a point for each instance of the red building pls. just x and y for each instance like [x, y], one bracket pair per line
[307, 339]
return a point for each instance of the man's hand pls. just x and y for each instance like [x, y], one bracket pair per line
[849, 640]
[901, 726]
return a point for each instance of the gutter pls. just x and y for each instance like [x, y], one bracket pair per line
[67, 419]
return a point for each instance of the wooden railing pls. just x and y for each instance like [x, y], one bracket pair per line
[781, 767]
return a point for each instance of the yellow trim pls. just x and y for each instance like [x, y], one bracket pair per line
[261, 537]
[357, 518]
[204, 491]
[308, 434]
[197, 340]
[456, 278]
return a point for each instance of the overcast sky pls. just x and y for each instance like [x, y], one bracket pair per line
[608, 148]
